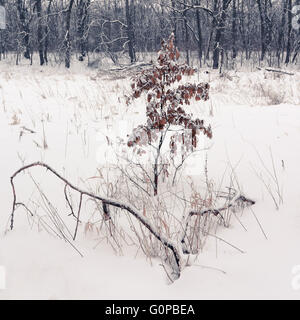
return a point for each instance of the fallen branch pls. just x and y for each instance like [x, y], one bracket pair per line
[234, 201]
[275, 70]
[105, 201]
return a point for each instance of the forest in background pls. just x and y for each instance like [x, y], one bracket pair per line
[214, 31]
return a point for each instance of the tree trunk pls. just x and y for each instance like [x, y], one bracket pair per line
[40, 31]
[24, 27]
[130, 30]
[200, 38]
[263, 28]
[186, 34]
[234, 30]
[174, 20]
[242, 28]
[213, 27]
[2, 37]
[219, 34]
[82, 17]
[47, 30]
[288, 46]
[280, 46]
[67, 35]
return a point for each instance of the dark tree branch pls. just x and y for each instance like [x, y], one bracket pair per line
[238, 200]
[107, 201]
[234, 202]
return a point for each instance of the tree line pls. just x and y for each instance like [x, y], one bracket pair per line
[215, 30]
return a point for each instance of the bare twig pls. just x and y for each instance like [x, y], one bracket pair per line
[238, 200]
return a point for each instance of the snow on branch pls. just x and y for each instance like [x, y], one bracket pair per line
[105, 201]
[236, 201]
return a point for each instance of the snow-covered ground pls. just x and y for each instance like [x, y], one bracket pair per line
[255, 118]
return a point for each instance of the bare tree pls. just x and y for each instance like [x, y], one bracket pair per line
[131, 26]
[219, 33]
[130, 29]
[280, 46]
[234, 29]
[47, 31]
[24, 25]
[186, 34]
[82, 20]
[67, 35]
[174, 20]
[38, 5]
[199, 32]
[289, 31]
[2, 37]
[265, 25]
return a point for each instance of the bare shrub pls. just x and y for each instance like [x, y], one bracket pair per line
[274, 95]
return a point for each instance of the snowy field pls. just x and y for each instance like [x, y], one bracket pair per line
[62, 117]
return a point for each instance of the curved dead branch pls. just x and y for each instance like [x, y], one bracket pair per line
[105, 202]
[237, 200]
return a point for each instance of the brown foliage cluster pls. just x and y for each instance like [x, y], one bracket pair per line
[165, 103]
